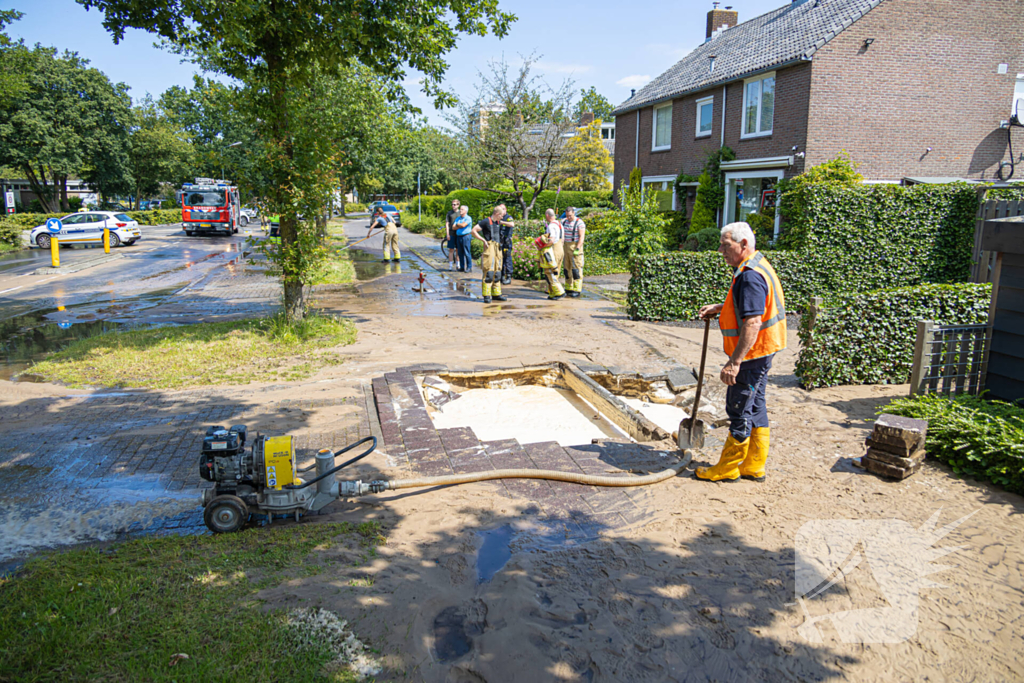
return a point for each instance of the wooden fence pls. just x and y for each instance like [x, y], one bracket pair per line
[988, 209]
[950, 359]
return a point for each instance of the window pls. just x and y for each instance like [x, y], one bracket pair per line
[662, 191]
[758, 106]
[1017, 108]
[662, 128]
[705, 109]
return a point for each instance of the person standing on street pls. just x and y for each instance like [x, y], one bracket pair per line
[574, 231]
[505, 235]
[383, 220]
[753, 324]
[449, 226]
[550, 247]
[463, 235]
[487, 231]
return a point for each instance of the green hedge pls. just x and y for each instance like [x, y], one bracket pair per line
[481, 201]
[27, 221]
[868, 338]
[158, 217]
[428, 225]
[875, 236]
[432, 204]
[977, 438]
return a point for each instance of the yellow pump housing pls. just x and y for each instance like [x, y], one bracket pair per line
[279, 461]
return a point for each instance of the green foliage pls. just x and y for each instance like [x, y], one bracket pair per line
[868, 237]
[433, 205]
[429, 224]
[1006, 193]
[675, 229]
[638, 228]
[978, 438]
[838, 172]
[763, 225]
[159, 151]
[868, 338]
[158, 217]
[10, 234]
[703, 216]
[586, 162]
[705, 240]
[354, 207]
[636, 180]
[595, 103]
[480, 202]
[69, 120]
[15, 61]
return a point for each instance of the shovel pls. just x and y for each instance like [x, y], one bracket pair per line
[691, 430]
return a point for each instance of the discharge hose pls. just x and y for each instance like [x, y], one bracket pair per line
[550, 475]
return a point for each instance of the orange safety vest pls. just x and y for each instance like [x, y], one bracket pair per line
[772, 336]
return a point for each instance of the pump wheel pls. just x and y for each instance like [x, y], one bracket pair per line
[225, 514]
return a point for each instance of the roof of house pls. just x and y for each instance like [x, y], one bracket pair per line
[790, 33]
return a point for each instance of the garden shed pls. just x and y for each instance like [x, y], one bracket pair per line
[1005, 238]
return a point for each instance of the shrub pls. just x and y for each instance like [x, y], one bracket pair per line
[705, 240]
[432, 205]
[637, 229]
[28, 220]
[674, 229]
[868, 338]
[884, 235]
[977, 438]
[10, 234]
[703, 216]
[673, 286]
[158, 217]
[429, 224]
[636, 180]
[763, 225]
[354, 207]
[526, 265]
[480, 202]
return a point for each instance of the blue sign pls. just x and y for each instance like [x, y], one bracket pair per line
[65, 325]
[54, 224]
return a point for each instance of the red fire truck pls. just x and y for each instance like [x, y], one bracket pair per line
[211, 206]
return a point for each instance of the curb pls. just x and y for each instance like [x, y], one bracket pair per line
[75, 267]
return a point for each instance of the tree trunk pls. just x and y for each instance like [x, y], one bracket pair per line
[64, 206]
[294, 299]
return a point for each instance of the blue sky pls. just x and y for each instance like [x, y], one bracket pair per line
[612, 46]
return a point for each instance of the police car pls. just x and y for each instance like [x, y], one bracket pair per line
[87, 227]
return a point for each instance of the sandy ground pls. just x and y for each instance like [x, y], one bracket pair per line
[705, 588]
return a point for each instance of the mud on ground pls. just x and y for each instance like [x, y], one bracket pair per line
[703, 589]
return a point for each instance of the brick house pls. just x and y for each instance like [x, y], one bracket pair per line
[911, 89]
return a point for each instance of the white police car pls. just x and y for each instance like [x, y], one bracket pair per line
[86, 227]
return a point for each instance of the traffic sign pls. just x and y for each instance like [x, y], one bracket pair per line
[10, 202]
[54, 224]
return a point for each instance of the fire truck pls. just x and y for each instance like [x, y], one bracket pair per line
[209, 205]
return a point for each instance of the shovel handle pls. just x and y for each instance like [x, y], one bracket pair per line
[700, 377]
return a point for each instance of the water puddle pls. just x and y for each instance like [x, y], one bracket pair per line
[494, 553]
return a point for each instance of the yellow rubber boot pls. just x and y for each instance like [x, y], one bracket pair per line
[727, 469]
[753, 466]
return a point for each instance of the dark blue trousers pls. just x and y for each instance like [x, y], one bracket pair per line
[465, 254]
[745, 400]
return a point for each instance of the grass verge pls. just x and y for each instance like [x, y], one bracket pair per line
[977, 438]
[128, 612]
[339, 269]
[239, 352]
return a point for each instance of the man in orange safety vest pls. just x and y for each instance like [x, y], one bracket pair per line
[753, 324]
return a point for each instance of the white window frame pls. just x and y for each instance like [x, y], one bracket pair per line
[743, 111]
[671, 179]
[730, 191]
[654, 127]
[700, 103]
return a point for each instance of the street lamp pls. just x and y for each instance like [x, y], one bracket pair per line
[233, 144]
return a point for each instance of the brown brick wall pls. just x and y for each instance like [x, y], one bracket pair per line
[689, 152]
[929, 79]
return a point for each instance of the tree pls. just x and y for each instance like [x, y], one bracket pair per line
[595, 103]
[586, 162]
[506, 136]
[159, 151]
[637, 228]
[70, 120]
[278, 50]
[703, 216]
[15, 61]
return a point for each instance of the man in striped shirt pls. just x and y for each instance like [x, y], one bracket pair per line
[574, 231]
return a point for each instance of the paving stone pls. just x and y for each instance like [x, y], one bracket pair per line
[898, 431]
[548, 455]
[886, 470]
[590, 368]
[906, 463]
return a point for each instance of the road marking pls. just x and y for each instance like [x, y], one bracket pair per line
[11, 289]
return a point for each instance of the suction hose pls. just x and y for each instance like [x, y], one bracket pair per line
[551, 475]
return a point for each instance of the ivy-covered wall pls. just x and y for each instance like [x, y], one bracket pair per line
[841, 240]
[869, 338]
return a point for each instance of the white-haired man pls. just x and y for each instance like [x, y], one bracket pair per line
[753, 324]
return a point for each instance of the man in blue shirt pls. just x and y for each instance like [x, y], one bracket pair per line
[464, 237]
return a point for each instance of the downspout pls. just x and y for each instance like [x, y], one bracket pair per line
[720, 211]
[636, 142]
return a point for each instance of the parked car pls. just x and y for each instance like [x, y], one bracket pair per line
[152, 204]
[390, 210]
[248, 214]
[87, 228]
[372, 206]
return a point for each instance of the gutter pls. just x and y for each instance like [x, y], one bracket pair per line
[707, 86]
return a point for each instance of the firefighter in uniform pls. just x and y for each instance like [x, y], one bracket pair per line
[487, 231]
[753, 324]
[550, 247]
[383, 220]
[573, 233]
[505, 235]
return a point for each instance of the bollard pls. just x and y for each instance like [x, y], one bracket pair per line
[106, 240]
[54, 252]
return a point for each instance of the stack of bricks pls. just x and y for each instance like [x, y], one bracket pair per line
[896, 446]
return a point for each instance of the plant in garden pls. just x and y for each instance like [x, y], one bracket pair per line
[280, 49]
[978, 438]
[703, 216]
[586, 162]
[868, 338]
[637, 228]
[636, 180]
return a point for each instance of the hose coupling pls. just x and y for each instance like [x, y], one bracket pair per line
[351, 489]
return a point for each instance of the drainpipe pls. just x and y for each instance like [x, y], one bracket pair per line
[636, 142]
[722, 144]
[720, 211]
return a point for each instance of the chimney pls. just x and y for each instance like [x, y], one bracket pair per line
[632, 92]
[719, 19]
[586, 118]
